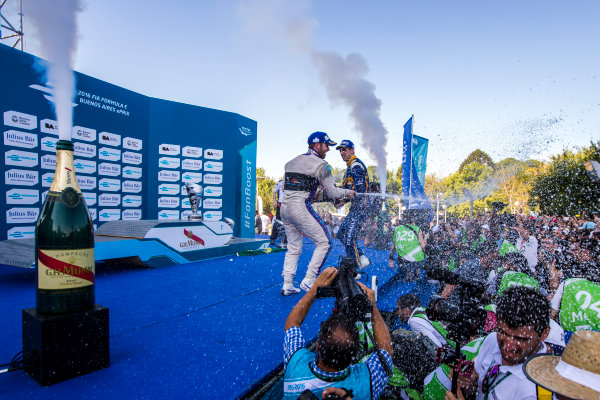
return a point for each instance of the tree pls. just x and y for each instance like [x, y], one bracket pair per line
[478, 156]
[264, 189]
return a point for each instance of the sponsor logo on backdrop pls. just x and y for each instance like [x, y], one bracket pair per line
[197, 189]
[44, 194]
[85, 167]
[185, 203]
[49, 126]
[185, 213]
[86, 182]
[132, 214]
[168, 202]
[168, 188]
[109, 154]
[85, 134]
[212, 203]
[48, 144]
[193, 165]
[189, 151]
[131, 158]
[20, 158]
[20, 120]
[110, 139]
[47, 179]
[213, 179]
[20, 139]
[132, 186]
[48, 161]
[90, 198]
[84, 149]
[22, 196]
[213, 166]
[245, 131]
[109, 214]
[109, 199]
[19, 215]
[212, 215]
[169, 149]
[213, 191]
[168, 214]
[109, 169]
[132, 143]
[132, 201]
[168, 162]
[132, 172]
[21, 232]
[191, 177]
[109, 185]
[168, 176]
[93, 214]
[20, 177]
[213, 154]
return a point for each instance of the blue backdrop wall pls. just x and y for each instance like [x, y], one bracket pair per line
[133, 153]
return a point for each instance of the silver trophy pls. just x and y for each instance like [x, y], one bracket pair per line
[193, 202]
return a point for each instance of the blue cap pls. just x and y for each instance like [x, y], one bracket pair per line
[345, 143]
[320, 137]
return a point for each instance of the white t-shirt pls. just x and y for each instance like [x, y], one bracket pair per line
[510, 382]
[530, 250]
[423, 326]
[278, 188]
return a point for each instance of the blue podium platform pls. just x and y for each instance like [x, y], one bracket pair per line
[205, 330]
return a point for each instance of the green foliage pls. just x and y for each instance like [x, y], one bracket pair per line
[264, 189]
[565, 187]
[480, 157]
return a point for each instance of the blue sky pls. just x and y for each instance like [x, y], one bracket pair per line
[516, 79]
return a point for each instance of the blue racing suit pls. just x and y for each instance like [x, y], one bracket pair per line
[356, 178]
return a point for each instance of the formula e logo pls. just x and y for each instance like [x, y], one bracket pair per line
[169, 162]
[132, 172]
[168, 202]
[168, 176]
[169, 149]
[85, 134]
[90, 198]
[168, 188]
[21, 232]
[86, 182]
[213, 166]
[110, 214]
[213, 154]
[110, 139]
[185, 203]
[132, 143]
[213, 179]
[109, 169]
[20, 139]
[109, 185]
[49, 126]
[109, 199]
[22, 196]
[192, 177]
[168, 214]
[20, 158]
[245, 131]
[19, 215]
[213, 191]
[212, 203]
[192, 165]
[85, 166]
[132, 201]
[189, 151]
[84, 150]
[131, 158]
[132, 186]
[212, 216]
[49, 144]
[21, 177]
[20, 120]
[132, 215]
[109, 154]
[47, 179]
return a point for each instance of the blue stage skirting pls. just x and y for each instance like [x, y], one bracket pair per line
[205, 330]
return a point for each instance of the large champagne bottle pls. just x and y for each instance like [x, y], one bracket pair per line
[64, 243]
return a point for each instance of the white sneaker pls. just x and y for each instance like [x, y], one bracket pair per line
[306, 284]
[289, 288]
[357, 277]
[363, 261]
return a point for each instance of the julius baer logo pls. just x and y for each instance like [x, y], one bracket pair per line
[22, 215]
[20, 139]
[20, 177]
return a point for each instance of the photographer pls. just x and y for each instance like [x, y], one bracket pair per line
[337, 349]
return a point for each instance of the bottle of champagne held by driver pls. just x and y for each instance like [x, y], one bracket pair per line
[64, 243]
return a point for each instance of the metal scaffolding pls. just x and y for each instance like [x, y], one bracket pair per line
[8, 33]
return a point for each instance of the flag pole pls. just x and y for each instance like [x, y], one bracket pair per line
[410, 164]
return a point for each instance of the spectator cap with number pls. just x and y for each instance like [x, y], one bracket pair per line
[320, 137]
[346, 144]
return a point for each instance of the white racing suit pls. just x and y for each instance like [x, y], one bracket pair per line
[305, 175]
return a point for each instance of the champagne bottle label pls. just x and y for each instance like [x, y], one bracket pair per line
[64, 177]
[65, 269]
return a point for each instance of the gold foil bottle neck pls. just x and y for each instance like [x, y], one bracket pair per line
[64, 176]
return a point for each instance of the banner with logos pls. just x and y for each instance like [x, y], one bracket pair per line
[133, 153]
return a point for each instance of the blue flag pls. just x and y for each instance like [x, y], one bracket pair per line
[414, 165]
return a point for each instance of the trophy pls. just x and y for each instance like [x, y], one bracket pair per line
[193, 202]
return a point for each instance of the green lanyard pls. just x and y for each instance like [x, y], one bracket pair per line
[494, 384]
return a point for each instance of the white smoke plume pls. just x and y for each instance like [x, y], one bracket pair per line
[56, 25]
